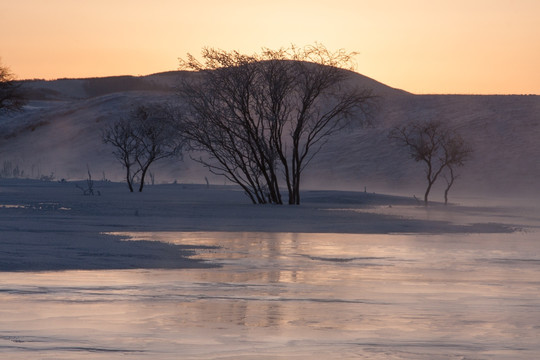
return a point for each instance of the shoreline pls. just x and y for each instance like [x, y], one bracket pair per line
[52, 226]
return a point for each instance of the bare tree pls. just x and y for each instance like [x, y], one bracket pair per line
[263, 117]
[120, 135]
[89, 184]
[457, 152]
[156, 136]
[146, 136]
[437, 146]
[11, 95]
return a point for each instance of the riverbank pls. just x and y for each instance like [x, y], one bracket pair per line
[53, 226]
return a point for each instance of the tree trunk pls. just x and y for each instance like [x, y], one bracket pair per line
[128, 179]
[297, 189]
[143, 174]
[449, 185]
[427, 193]
[294, 197]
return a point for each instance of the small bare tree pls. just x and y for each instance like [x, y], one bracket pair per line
[120, 135]
[148, 135]
[157, 137]
[437, 146]
[11, 95]
[263, 117]
[89, 184]
[457, 152]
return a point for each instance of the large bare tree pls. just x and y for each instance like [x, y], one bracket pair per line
[263, 117]
[11, 95]
[149, 134]
[437, 146]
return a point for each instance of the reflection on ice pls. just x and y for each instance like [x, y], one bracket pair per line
[285, 295]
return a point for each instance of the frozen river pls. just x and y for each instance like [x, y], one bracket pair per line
[288, 295]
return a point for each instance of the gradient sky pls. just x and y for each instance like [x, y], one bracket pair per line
[422, 46]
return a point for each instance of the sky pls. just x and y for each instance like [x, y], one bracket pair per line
[421, 46]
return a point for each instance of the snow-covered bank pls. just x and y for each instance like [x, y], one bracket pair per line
[52, 226]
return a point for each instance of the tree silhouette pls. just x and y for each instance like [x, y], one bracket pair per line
[11, 95]
[146, 136]
[457, 152]
[263, 117]
[437, 146]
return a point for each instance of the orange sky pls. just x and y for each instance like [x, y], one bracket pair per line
[422, 46]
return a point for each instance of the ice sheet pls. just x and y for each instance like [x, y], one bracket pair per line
[291, 296]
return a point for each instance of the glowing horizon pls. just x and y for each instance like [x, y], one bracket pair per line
[421, 46]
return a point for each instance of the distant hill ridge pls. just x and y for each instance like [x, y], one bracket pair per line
[66, 89]
[81, 88]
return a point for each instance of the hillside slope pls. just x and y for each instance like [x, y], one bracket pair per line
[504, 132]
[60, 132]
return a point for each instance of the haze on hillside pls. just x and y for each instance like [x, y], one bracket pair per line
[59, 133]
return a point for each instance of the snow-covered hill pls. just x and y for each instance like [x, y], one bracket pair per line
[60, 132]
[504, 132]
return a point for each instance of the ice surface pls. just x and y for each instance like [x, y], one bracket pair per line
[290, 296]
